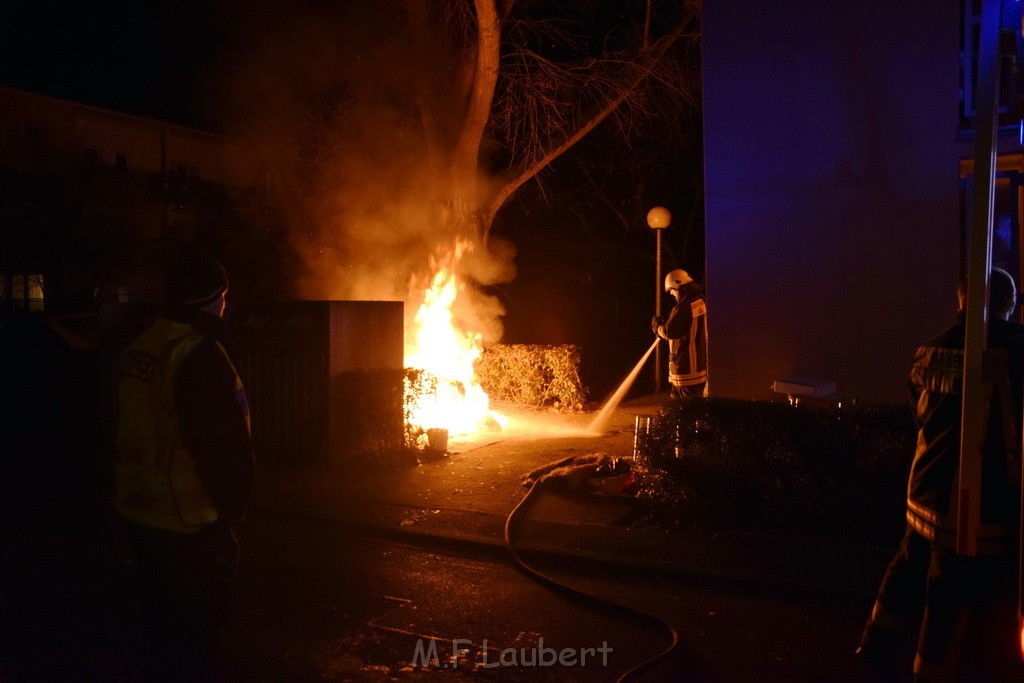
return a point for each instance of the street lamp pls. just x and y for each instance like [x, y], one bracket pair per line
[658, 218]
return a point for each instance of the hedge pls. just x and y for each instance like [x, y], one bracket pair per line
[533, 376]
[732, 464]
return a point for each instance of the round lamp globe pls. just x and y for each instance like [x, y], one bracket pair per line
[659, 218]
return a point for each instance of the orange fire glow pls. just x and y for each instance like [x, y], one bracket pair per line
[1020, 624]
[456, 401]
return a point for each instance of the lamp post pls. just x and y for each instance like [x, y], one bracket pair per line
[658, 218]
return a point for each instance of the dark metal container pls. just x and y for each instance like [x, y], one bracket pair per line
[324, 378]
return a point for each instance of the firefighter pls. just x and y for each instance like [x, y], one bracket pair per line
[183, 469]
[687, 334]
[927, 586]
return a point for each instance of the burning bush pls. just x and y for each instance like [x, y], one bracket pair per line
[727, 464]
[533, 375]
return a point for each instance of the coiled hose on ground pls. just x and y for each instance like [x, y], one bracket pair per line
[584, 597]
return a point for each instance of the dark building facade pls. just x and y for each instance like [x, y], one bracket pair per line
[838, 147]
[95, 201]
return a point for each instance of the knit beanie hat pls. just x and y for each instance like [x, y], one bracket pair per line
[194, 278]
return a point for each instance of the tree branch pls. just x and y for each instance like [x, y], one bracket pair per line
[530, 170]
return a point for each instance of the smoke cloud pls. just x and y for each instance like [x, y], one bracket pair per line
[327, 97]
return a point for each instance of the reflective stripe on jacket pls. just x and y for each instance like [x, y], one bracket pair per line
[157, 482]
[936, 384]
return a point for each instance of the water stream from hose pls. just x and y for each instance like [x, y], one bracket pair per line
[600, 422]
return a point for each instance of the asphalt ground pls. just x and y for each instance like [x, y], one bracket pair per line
[72, 601]
[462, 500]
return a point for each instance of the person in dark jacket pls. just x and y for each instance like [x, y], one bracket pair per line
[183, 468]
[928, 586]
[687, 334]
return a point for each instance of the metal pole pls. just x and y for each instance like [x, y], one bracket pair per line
[658, 218]
[979, 266]
[657, 312]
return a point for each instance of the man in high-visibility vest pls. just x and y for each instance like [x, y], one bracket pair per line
[927, 587]
[183, 468]
[687, 333]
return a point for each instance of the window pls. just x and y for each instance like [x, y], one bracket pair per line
[21, 291]
[1007, 224]
[18, 291]
[34, 292]
[1009, 78]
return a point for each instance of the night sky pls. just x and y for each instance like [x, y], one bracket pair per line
[147, 57]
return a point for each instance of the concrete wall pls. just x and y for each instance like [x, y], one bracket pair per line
[832, 189]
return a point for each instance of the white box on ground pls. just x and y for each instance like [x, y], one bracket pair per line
[804, 386]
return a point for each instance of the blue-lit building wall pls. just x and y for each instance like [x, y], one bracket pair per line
[833, 151]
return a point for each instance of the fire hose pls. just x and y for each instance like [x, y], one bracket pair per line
[581, 596]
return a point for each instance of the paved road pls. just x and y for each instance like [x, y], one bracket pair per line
[318, 603]
[321, 605]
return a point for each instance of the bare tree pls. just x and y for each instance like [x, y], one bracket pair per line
[393, 127]
[511, 87]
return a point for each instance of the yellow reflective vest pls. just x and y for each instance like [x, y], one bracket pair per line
[157, 480]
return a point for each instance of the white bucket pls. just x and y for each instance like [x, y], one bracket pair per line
[437, 439]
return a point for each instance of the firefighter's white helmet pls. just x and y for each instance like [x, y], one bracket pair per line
[676, 279]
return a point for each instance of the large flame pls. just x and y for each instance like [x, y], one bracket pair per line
[454, 399]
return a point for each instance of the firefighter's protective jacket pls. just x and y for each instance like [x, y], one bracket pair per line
[936, 382]
[183, 452]
[687, 334]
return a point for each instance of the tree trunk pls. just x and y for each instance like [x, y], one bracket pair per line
[466, 175]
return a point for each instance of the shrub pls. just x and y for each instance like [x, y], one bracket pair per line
[532, 375]
[757, 466]
[417, 383]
